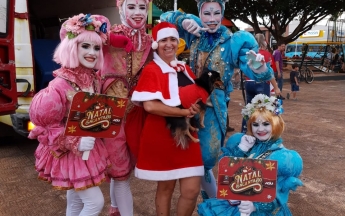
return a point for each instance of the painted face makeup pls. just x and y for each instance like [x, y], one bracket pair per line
[211, 16]
[88, 54]
[136, 13]
[262, 129]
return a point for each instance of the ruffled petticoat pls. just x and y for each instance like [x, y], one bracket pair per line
[119, 156]
[69, 170]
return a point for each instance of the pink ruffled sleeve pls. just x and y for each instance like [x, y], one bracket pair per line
[47, 111]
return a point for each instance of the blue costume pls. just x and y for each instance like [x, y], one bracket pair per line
[290, 166]
[220, 51]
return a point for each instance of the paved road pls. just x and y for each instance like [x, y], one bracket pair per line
[315, 128]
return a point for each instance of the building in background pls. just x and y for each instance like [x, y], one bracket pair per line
[325, 32]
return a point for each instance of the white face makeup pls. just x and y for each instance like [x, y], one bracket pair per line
[262, 129]
[136, 13]
[211, 16]
[88, 54]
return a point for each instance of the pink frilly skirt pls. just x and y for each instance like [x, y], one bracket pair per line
[69, 171]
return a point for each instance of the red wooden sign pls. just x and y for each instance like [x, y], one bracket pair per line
[247, 179]
[95, 115]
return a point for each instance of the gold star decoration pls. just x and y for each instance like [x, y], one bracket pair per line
[223, 192]
[121, 103]
[72, 129]
[270, 166]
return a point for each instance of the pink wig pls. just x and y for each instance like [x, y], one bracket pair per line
[66, 54]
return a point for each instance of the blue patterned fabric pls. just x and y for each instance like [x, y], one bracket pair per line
[223, 52]
[215, 126]
[290, 166]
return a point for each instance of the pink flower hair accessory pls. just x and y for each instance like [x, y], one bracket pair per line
[80, 23]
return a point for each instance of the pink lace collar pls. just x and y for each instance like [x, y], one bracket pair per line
[81, 76]
[139, 37]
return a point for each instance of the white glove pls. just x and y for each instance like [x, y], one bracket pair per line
[255, 56]
[86, 143]
[260, 58]
[256, 62]
[246, 143]
[246, 207]
[192, 27]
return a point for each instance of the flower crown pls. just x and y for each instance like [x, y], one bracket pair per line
[80, 23]
[260, 101]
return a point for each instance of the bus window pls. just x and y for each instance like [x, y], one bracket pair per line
[288, 49]
[3, 18]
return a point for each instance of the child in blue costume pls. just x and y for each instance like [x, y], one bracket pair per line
[213, 46]
[265, 126]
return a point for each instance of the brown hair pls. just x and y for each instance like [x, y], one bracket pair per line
[276, 121]
[260, 38]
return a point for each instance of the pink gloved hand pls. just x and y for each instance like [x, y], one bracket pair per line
[246, 207]
[120, 41]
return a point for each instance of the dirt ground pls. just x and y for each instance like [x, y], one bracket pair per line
[314, 127]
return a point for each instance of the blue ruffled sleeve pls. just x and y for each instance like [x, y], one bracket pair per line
[290, 166]
[241, 43]
[176, 17]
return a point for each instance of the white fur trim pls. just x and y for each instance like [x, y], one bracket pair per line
[154, 45]
[167, 32]
[138, 97]
[169, 174]
[174, 100]
[173, 63]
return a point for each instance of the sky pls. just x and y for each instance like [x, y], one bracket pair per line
[241, 24]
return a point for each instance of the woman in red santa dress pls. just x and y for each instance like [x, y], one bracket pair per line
[160, 158]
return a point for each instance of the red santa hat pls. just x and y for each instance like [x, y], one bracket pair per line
[163, 30]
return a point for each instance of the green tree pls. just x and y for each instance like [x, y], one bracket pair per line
[275, 15]
[188, 6]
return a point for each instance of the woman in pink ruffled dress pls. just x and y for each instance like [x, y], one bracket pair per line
[128, 51]
[59, 157]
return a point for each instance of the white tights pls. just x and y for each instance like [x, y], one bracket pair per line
[121, 197]
[209, 187]
[87, 202]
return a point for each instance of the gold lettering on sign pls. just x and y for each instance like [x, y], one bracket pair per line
[247, 179]
[97, 115]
